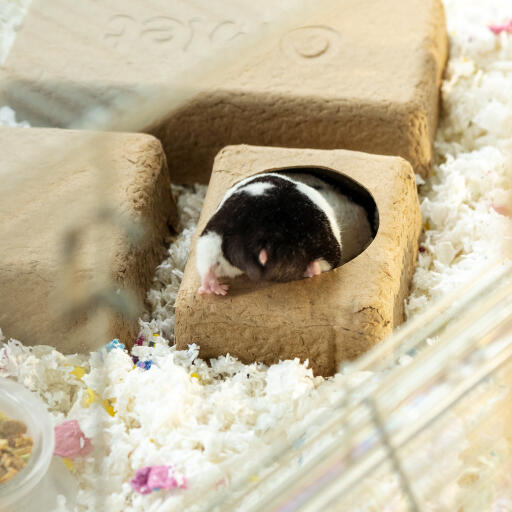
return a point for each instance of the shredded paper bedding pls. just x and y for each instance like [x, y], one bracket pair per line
[158, 406]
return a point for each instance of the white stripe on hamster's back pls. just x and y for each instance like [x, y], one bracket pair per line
[260, 188]
[256, 189]
[236, 187]
[320, 202]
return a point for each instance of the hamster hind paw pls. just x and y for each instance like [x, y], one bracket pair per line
[313, 269]
[212, 286]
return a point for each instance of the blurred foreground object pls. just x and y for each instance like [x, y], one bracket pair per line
[354, 74]
[87, 233]
[429, 432]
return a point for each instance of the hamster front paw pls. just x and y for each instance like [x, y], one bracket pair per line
[210, 285]
[313, 269]
[216, 288]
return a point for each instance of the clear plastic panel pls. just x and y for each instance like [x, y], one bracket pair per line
[422, 436]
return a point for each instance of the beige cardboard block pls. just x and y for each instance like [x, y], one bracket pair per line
[79, 234]
[327, 319]
[71, 57]
[355, 74]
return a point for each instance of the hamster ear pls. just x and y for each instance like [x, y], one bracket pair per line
[263, 257]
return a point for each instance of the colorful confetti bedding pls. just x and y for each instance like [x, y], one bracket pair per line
[160, 422]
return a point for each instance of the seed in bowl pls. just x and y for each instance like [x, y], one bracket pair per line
[15, 447]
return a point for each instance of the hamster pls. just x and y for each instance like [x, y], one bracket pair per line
[279, 227]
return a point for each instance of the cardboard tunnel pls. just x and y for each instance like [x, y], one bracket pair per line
[327, 319]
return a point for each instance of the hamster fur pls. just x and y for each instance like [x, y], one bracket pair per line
[279, 227]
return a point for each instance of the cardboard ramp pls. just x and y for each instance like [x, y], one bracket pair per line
[327, 319]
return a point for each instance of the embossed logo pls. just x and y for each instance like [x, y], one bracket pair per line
[169, 31]
[315, 43]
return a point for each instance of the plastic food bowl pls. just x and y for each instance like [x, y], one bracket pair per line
[20, 404]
